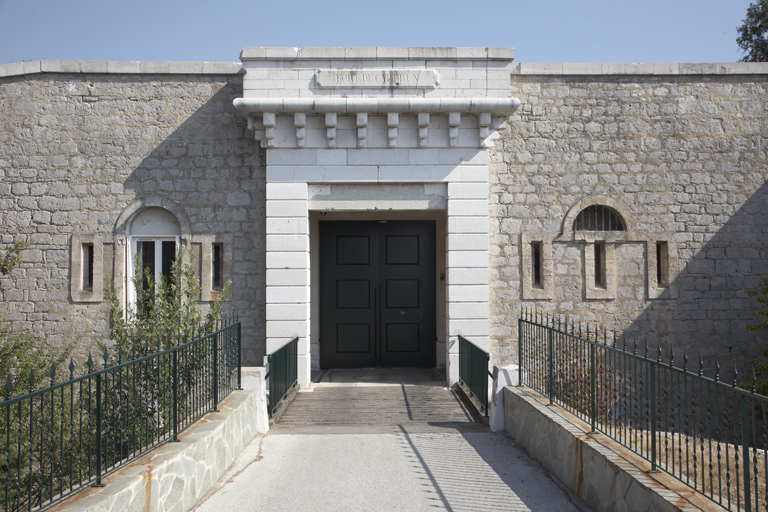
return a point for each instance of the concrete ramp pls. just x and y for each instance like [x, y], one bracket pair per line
[378, 400]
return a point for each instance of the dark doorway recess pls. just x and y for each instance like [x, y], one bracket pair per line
[377, 294]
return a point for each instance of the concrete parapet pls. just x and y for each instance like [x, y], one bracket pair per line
[119, 67]
[176, 475]
[600, 471]
[650, 68]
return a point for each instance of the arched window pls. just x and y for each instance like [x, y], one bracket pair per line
[599, 217]
[154, 235]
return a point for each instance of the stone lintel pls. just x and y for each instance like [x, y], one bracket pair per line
[376, 53]
[382, 106]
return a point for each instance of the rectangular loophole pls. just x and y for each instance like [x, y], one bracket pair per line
[536, 265]
[662, 264]
[600, 278]
[217, 266]
[87, 259]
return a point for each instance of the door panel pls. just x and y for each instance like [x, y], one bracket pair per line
[377, 294]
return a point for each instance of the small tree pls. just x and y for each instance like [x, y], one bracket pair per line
[753, 33]
[762, 310]
[164, 310]
[22, 353]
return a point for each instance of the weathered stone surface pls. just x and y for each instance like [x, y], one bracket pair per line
[176, 475]
[600, 471]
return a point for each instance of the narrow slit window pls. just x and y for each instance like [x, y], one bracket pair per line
[600, 281]
[217, 262]
[87, 274]
[536, 254]
[662, 264]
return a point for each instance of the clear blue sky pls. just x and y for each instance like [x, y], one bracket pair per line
[216, 30]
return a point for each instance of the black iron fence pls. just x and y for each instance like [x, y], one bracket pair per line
[473, 372]
[709, 434]
[283, 376]
[59, 439]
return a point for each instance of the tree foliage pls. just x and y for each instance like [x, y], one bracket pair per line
[25, 359]
[753, 33]
[762, 309]
[163, 311]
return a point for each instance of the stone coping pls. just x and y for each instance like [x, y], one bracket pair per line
[120, 67]
[500, 106]
[520, 68]
[602, 472]
[670, 68]
[376, 53]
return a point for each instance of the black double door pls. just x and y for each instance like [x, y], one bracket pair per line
[377, 294]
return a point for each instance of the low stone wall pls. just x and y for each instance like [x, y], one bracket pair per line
[600, 471]
[176, 475]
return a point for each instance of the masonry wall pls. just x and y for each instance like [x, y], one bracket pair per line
[680, 152]
[685, 155]
[76, 149]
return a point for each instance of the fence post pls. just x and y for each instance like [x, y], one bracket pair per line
[175, 379]
[653, 415]
[592, 386]
[519, 352]
[745, 452]
[215, 372]
[239, 358]
[98, 432]
[549, 362]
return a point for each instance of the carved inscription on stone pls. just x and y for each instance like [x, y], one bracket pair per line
[376, 78]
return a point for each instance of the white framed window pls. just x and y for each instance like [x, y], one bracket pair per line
[153, 245]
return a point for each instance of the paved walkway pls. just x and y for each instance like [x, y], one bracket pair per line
[384, 440]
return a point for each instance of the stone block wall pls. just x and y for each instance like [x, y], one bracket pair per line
[683, 155]
[678, 150]
[77, 148]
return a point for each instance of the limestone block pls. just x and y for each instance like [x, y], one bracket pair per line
[277, 190]
[287, 277]
[287, 294]
[287, 328]
[468, 293]
[287, 259]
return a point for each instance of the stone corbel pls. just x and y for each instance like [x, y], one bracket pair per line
[454, 120]
[330, 124]
[423, 129]
[300, 121]
[362, 130]
[393, 119]
[484, 123]
[269, 130]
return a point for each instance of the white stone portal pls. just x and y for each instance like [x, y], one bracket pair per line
[364, 129]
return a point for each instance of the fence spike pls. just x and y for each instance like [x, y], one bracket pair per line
[717, 370]
[53, 374]
[671, 357]
[701, 365]
[8, 386]
[105, 356]
[634, 350]
[646, 347]
[89, 362]
[685, 360]
[119, 354]
[754, 380]
[146, 347]
[735, 375]
[71, 368]
[624, 337]
[133, 349]
[31, 380]
[658, 353]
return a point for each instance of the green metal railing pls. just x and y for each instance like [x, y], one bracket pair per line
[708, 434]
[473, 372]
[57, 440]
[283, 376]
